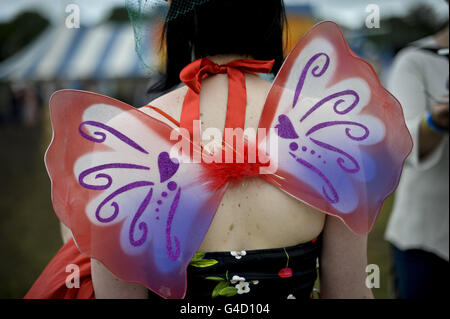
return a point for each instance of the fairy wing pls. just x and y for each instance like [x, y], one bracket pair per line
[341, 137]
[126, 198]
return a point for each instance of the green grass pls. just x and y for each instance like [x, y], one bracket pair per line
[29, 233]
[379, 252]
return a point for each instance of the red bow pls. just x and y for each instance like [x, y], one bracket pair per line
[193, 74]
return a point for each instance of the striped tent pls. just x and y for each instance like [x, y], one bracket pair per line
[105, 51]
[102, 52]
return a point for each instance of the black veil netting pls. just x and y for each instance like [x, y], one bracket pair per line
[147, 18]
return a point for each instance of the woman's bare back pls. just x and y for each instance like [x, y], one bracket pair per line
[253, 214]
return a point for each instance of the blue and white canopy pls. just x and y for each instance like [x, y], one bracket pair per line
[105, 51]
[102, 52]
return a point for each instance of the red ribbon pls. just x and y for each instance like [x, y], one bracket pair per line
[193, 74]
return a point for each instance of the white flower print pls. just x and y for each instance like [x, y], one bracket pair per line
[238, 254]
[236, 279]
[242, 287]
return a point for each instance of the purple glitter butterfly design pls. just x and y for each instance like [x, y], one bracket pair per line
[318, 154]
[167, 168]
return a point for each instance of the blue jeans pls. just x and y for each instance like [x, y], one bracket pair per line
[419, 274]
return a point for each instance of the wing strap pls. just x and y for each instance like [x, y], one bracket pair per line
[193, 74]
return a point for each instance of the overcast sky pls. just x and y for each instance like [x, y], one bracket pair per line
[350, 13]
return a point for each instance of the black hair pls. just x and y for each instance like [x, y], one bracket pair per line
[245, 27]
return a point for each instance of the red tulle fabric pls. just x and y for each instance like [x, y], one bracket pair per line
[217, 175]
[51, 284]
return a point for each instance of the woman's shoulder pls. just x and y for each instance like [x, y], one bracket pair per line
[170, 103]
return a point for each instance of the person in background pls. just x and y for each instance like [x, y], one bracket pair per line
[419, 224]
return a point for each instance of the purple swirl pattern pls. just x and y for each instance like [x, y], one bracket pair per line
[107, 181]
[113, 195]
[173, 208]
[347, 130]
[339, 160]
[108, 210]
[108, 178]
[102, 136]
[336, 104]
[142, 225]
[315, 72]
[344, 102]
[334, 198]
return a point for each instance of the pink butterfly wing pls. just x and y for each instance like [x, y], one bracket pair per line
[342, 138]
[128, 203]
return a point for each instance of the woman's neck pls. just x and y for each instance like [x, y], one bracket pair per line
[226, 58]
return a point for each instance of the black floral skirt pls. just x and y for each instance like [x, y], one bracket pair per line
[279, 273]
